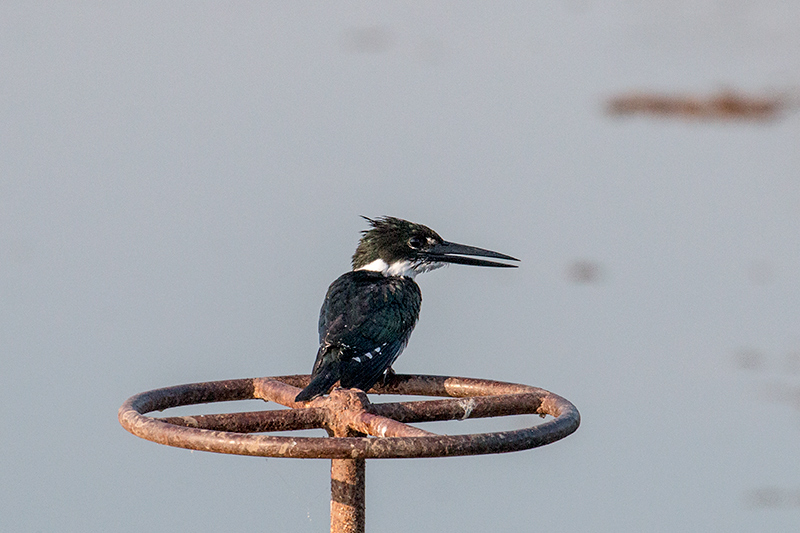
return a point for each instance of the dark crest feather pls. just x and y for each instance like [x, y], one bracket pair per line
[386, 239]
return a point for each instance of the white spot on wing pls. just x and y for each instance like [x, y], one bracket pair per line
[357, 359]
[375, 352]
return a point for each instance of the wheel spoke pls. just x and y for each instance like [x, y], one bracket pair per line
[379, 426]
[462, 408]
[253, 421]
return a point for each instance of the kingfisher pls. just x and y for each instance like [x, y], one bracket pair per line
[369, 313]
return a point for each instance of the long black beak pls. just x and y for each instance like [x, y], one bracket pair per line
[450, 252]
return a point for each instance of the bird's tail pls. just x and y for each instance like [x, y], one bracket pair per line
[321, 382]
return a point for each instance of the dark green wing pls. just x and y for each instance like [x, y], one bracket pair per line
[364, 324]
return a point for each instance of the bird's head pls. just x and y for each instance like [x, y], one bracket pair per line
[398, 247]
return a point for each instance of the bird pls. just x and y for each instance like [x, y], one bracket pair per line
[369, 313]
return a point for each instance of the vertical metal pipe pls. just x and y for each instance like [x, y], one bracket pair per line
[348, 476]
[347, 495]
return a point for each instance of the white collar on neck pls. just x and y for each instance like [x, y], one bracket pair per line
[400, 268]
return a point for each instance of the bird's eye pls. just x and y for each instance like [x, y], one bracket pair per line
[416, 242]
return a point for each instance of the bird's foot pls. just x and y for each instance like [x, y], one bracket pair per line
[388, 376]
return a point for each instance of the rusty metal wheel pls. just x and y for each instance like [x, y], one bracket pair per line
[357, 429]
[349, 416]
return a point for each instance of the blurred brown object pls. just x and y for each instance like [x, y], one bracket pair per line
[725, 105]
[584, 271]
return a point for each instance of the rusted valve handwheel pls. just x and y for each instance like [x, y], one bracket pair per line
[348, 415]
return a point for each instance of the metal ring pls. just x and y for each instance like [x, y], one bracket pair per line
[349, 412]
